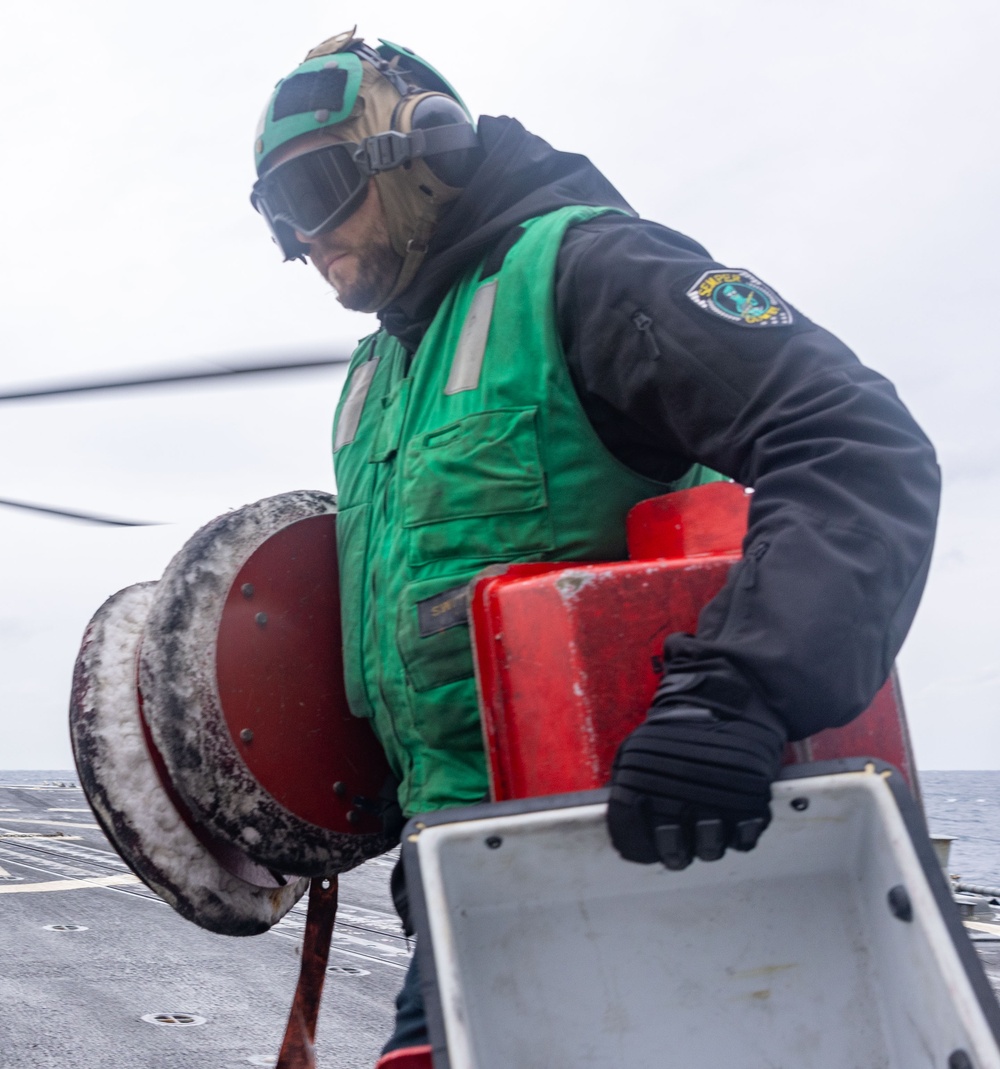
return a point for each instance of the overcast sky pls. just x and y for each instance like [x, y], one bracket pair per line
[845, 153]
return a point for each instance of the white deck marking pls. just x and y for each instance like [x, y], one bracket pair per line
[53, 809]
[51, 823]
[34, 836]
[979, 926]
[34, 787]
[70, 885]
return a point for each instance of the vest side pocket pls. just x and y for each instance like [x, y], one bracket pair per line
[432, 632]
[474, 490]
[352, 548]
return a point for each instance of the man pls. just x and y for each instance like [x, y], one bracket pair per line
[546, 360]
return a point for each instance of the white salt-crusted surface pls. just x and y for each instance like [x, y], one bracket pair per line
[182, 706]
[124, 790]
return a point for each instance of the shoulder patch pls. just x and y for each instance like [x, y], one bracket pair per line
[739, 297]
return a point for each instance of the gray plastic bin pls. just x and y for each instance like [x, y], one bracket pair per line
[833, 945]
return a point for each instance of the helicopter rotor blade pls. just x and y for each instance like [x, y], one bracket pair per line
[304, 363]
[87, 517]
[167, 378]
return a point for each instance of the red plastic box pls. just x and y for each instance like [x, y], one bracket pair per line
[568, 655]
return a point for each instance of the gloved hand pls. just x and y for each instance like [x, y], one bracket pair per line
[689, 782]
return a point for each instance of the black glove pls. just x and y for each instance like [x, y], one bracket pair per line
[689, 782]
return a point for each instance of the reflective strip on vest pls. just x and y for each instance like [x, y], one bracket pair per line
[350, 415]
[468, 361]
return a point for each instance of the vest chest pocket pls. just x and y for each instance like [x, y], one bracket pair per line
[474, 490]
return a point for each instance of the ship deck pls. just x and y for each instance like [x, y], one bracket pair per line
[89, 953]
[99, 973]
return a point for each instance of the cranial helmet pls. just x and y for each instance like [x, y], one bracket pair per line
[391, 117]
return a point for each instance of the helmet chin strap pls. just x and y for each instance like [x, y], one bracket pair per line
[409, 264]
[416, 251]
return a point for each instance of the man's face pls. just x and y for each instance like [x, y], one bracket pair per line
[357, 257]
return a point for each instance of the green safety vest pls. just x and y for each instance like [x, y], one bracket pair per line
[477, 451]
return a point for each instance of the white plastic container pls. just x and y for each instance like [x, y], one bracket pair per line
[833, 945]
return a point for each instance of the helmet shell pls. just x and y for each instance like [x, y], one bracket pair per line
[320, 92]
[323, 90]
[428, 77]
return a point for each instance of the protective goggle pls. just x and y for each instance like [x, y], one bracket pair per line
[309, 194]
[319, 190]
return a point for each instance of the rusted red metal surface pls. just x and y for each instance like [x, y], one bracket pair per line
[298, 1048]
[568, 657]
[281, 684]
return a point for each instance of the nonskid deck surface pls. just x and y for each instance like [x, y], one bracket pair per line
[87, 951]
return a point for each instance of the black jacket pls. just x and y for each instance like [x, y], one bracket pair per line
[846, 485]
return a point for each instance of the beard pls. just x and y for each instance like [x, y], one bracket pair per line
[363, 265]
[377, 270]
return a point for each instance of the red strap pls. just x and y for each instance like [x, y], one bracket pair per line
[407, 1058]
[297, 1048]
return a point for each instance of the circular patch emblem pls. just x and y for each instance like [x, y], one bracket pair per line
[739, 297]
